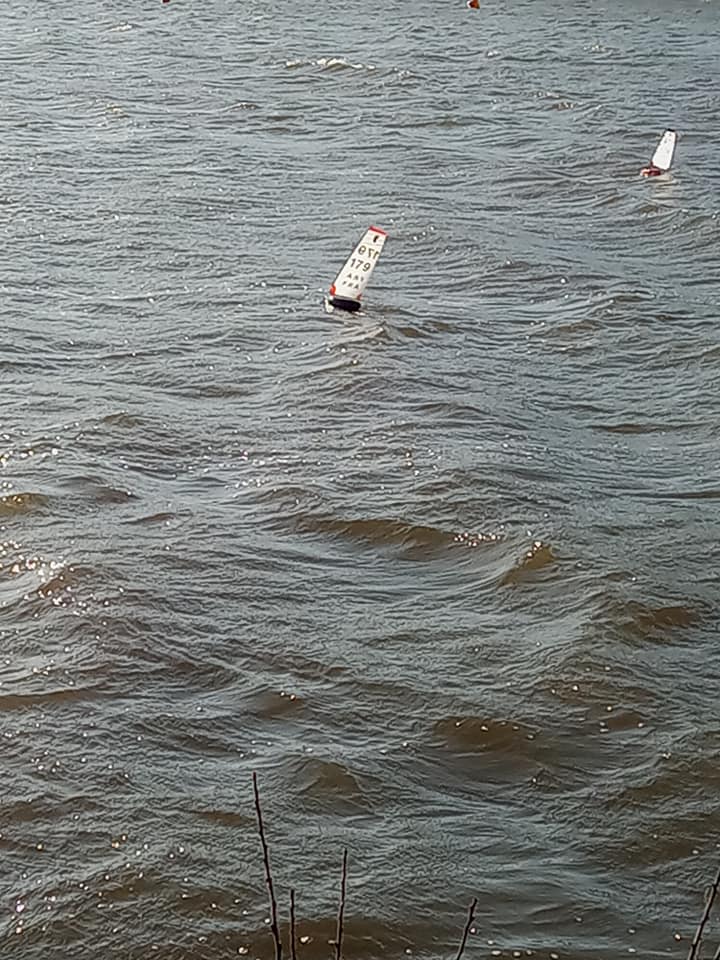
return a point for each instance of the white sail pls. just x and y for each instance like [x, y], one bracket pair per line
[355, 274]
[663, 156]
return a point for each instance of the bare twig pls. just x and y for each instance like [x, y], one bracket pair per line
[293, 952]
[268, 875]
[710, 899]
[341, 908]
[466, 931]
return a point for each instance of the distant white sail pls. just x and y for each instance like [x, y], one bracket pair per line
[350, 283]
[663, 156]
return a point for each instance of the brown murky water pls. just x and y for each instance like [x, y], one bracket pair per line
[443, 574]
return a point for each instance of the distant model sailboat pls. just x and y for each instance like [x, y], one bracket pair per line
[347, 290]
[663, 157]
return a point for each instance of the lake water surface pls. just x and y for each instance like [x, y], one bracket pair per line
[444, 574]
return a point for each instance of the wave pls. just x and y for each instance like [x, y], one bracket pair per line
[328, 63]
[485, 734]
[226, 818]
[420, 540]
[62, 695]
[335, 786]
[632, 427]
[162, 517]
[378, 532]
[271, 704]
[26, 576]
[12, 504]
[637, 621]
[538, 559]
[364, 935]
[121, 419]
[98, 491]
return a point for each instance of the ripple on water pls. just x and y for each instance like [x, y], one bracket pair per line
[640, 622]
[537, 564]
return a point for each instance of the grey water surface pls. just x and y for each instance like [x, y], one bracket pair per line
[444, 574]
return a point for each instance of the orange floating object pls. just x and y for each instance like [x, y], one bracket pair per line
[474, 4]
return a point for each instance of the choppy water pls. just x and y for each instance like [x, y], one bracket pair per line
[444, 574]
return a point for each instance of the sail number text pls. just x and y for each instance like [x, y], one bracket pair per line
[357, 262]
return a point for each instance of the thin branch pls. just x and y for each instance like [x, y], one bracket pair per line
[697, 939]
[466, 931]
[268, 875]
[293, 952]
[341, 908]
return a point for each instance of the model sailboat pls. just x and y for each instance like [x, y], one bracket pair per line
[663, 157]
[346, 291]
